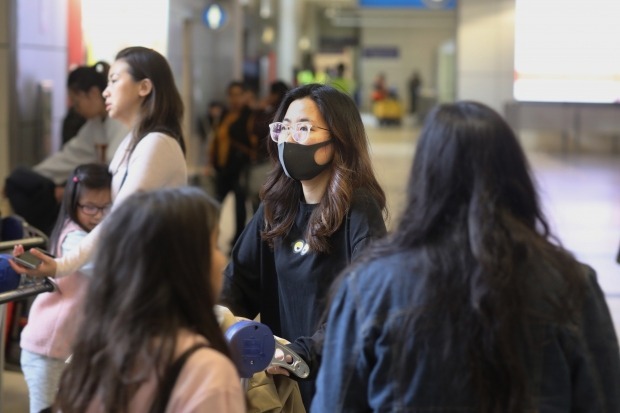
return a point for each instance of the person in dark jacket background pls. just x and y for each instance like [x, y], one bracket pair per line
[470, 305]
[263, 116]
[232, 150]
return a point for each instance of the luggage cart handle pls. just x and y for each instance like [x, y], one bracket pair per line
[26, 242]
[27, 291]
[298, 366]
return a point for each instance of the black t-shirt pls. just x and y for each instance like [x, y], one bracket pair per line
[289, 285]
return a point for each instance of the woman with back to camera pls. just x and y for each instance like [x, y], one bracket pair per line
[152, 342]
[470, 305]
[142, 95]
[321, 205]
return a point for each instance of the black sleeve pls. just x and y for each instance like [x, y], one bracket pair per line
[241, 291]
[367, 222]
[602, 352]
[310, 350]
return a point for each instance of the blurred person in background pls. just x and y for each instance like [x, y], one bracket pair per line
[340, 82]
[232, 150]
[414, 84]
[35, 194]
[263, 116]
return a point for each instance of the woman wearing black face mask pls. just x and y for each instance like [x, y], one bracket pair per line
[321, 205]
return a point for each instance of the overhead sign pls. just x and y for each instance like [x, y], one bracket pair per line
[418, 4]
[388, 52]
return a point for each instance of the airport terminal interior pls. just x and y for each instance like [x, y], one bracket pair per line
[568, 121]
[580, 195]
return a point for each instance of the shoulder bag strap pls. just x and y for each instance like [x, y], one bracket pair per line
[172, 373]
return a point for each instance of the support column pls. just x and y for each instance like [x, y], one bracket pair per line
[287, 39]
[237, 20]
[187, 85]
[7, 82]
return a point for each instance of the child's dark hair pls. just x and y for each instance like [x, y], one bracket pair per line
[83, 78]
[88, 176]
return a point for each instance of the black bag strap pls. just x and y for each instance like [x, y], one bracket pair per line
[124, 177]
[172, 373]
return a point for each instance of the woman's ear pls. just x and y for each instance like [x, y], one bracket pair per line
[146, 86]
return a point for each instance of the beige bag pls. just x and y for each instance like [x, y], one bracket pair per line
[266, 393]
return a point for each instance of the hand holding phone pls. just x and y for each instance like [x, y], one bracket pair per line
[29, 260]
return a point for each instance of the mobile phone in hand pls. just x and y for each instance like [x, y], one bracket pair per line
[28, 260]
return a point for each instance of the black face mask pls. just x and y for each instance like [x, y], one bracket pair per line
[298, 162]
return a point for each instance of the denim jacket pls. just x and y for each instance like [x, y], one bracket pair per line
[570, 368]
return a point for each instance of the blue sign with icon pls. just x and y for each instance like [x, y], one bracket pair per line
[214, 16]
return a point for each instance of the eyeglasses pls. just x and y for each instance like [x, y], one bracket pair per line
[92, 210]
[300, 131]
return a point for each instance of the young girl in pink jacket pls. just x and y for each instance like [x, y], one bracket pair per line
[54, 318]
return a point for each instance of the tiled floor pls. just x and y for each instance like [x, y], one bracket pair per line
[580, 194]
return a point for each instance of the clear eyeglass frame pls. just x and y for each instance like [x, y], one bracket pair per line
[299, 130]
[92, 210]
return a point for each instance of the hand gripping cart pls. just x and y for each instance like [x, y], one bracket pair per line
[253, 347]
[13, 287]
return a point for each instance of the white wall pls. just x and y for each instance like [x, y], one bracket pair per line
[41, 53]
[418, 34]
[485, 63]
[485, 51]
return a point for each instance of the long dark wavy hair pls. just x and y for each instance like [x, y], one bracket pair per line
[92, 176]
[473, 218]
[351, 168]
[151, 279]
[162, 109]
